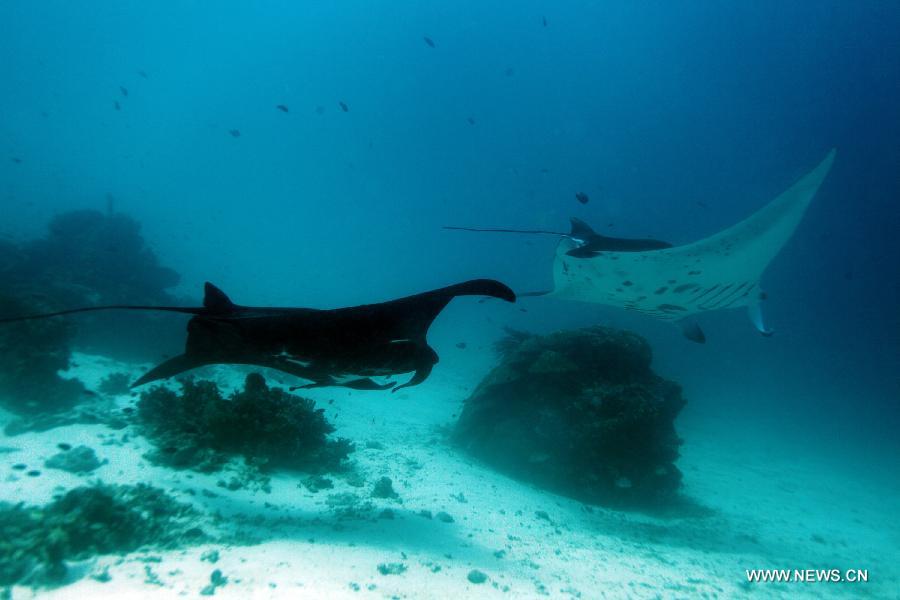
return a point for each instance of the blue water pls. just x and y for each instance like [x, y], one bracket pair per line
[676, 119]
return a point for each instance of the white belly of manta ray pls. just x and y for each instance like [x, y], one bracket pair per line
[719, 272]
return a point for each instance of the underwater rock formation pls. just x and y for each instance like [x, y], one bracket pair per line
[78, 460]
[580, 412]
[88, 255]
[91, 258]
[199, 429]
[36, 542]
[31, 354]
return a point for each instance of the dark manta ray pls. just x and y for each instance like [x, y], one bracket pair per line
[589, 242]
[340, 347]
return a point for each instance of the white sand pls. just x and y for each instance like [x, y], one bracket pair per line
[766, 508]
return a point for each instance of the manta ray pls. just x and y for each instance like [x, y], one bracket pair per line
[677, 283]
[336, 347]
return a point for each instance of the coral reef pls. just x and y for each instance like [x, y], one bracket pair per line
[91, 258]
[580, 412]
[31, 354]
[115, 384]
[37, 542]
[199, 429]
[88, 255]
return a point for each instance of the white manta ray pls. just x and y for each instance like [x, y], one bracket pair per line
[719, 272]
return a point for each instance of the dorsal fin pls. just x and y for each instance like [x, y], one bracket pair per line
[581, 230]
[215, 299]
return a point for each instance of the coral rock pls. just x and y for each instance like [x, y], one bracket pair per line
[580, 412]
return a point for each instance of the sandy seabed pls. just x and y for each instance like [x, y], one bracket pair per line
[756, 506]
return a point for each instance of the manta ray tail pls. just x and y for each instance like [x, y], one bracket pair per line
[214, 301]
[59, 313]
[485, 230]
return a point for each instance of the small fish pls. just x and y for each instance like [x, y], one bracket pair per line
[142, 73]
[117, 105]
[509, 72]
[582, 197]
[16, 160]
[320, 110]
[702, 204]
[429, 41]
[283, 108]
[64, 446]
[234, 132]
[344, 107]
[124, 90]
[544, 21]
[461, 345]
[470, 121]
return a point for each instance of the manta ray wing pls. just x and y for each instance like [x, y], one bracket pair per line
[718, 272]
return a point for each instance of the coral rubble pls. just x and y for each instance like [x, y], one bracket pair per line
[580, 412]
